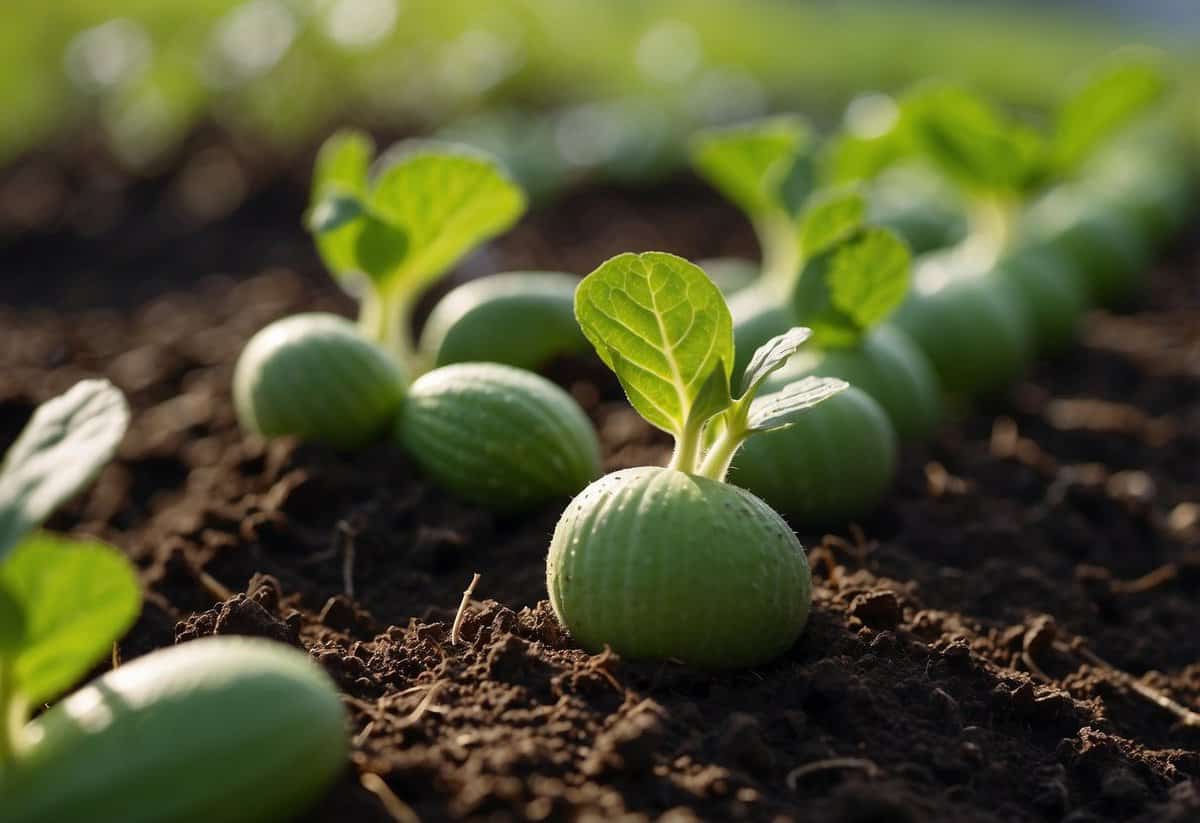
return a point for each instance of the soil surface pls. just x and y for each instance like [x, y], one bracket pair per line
[975, 649]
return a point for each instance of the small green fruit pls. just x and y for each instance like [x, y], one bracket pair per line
[973, 331]
[503, 438]
[834, 464]
[1108, 251]
[1049, 288]
[315, 377]
[228, 729]
[758, 315]
[886, 365]
[656, 563]
[522, 319]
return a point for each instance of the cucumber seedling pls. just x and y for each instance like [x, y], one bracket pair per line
[1020, 280]
[385, 237]
[674, 562]
[220, 729]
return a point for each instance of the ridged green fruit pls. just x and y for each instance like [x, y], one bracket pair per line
[973, 330]
[229, 729]
[315, 377]
[835, 464]
[886, 365]
[503, 438]
[522, 319]
[758, 315]
[656, 563]
[1050, 291]
[1109, 251]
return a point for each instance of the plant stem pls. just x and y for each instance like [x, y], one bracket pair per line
[687, 449]
[720, 455]
[385, 317]
[991, 228]
[12, 714]
[780, 252]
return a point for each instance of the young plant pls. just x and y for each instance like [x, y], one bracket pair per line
[674, 562]
[151, 740]
[501, 437]
[522, 319]
[385, 237]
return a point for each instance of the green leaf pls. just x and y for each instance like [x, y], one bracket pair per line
[751, 163]
[973, 142]
[341, 166]
[444, 200]
[77, 599]
[339, 190]
[832, 217]
[64, 446]
[844, 293]
[772, 356]
[1109, 99]
[658, 322]
[783, 408]
[12, 625]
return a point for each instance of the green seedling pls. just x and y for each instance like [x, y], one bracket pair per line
[522, 319]
[674, 562]
[1051, 260]
[255, 728]
[497, 436]
[385, 235]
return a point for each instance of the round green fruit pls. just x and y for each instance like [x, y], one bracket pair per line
[758, 315]
[522, 319]
[656, 563]
[886, 365]
[973, 330]
[1049, 289]
[229, 729]
[833, 465]
[315, 377]
[1108, 250]
[500, 437]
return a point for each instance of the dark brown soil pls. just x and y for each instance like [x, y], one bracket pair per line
[957, 663]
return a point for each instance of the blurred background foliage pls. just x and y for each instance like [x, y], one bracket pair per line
[553, 86]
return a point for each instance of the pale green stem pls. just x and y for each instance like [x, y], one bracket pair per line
[720, 454]
[386, 318]
[12, 714]
[992, 232]
[776, 234]
[687, 449]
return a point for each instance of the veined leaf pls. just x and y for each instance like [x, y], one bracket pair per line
[445, 200]
[341, 166]
[750, 163]
[973, 142]
[832, 217]
[844, 293]
[64, 446]
[772, 356]
[1109, 99]
[783, 408]
[658, 322]
[76, 599]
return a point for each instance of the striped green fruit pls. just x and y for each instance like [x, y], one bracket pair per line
[225, 728]
[522, 319]
[886, 365]
[314, 376]
[834, 464]
[656, 563]
[500, 437]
